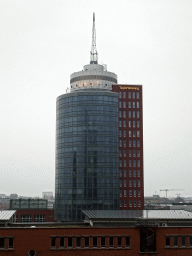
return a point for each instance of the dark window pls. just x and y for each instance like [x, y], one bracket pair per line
[95, 241]
[129, 95]
[78, 241]
[175, 241]
[86, 241]
[183, 241]
[70, 242]
[111, 241]
[190, 240]
[103, 241]
[61, 241]
[10, 245]
[119, 241]
[127, 241]
[53, 241]
[2, 242]
[167, 241]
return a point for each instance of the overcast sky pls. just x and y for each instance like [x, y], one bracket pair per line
[144, 42]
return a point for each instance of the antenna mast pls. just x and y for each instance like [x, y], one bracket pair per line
[94, 54]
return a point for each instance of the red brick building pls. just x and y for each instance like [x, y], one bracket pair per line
[131, 183]
[34, 215]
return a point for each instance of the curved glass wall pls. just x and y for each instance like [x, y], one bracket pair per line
[86, 153]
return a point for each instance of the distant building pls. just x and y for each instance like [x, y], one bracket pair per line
[47, 195]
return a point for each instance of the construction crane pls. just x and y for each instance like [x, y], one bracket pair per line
[169, 190]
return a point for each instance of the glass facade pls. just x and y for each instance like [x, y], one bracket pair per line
[87, 153]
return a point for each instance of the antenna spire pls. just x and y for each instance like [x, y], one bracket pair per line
[94, 54]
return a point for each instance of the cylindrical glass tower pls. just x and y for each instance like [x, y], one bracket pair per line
[87, 173]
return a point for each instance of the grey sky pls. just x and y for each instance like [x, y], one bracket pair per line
[144, 42]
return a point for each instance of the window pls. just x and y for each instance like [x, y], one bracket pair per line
[124, 133]
[139, 183]
[133, 114]
[39, 218]
[124, 113]
[120, 173]
[130, 193]
[137, 114]
[138, 133]
[2, 242]
[124, 143]
[125, 203]
[135, 203]
[134, 133]
[134, 173]
[120, 192]
[183, 241]
[120, 163]
[130, 203]
[120, 143]
[125, 173]
[134, 153]
[129, 123]
[130, 163]
[120, 94]
[130, 153]
[138, 163]
[138, 153]
[120, 153]
[124, 123]
[134, 183]
[95, 241]
[133, 123]
[61, 242]
[139, 192]
[133, 104]
[130, 173]
[130, 183]
[125, 163]
[119, 241]
[86, 241]
[133, 95]
[137, 95]
[127, 241]
[120, 203]
[134, 163]
[103, 238]
[124, 152]
[134, 143]
[137, 104]
[111, 241]
[129, 104]
[130, 133]
[26, 218]
[78, 242]
[53, 242]
[167, 241]
[138, 124]
[10, 242]
[120, 123]
[120, 183]
[190, 240]
[120, 104]
[129, 115]
[70, 242]
[129, 95]
[124, 95]
[124, 104]
[139, 203]
[125, 183]
[120, 115]
[125, 192]
[138, 143]
[130, 143]
[175, 241]
[138, 173]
